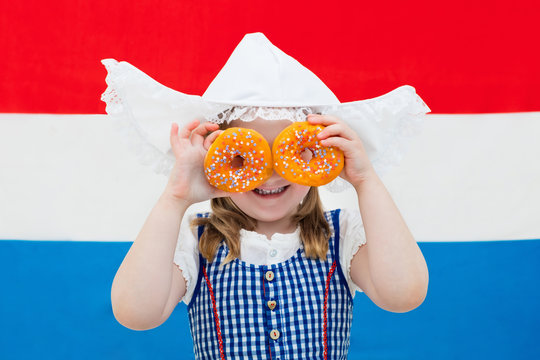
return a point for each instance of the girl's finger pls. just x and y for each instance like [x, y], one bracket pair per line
[336, 130]
[173, 138]
[345, 145]
[197, 136]
[211, 138]
[186, 130]
[323, 119]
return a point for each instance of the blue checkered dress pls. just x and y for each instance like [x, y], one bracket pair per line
[297, 309]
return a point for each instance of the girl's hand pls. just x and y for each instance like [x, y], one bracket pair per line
[187, 181]
[357, 165]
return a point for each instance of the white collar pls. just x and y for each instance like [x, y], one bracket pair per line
[277, 239]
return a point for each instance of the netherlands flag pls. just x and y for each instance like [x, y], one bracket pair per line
[73, 198]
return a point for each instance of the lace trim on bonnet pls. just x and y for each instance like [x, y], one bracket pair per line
[143, 110]
[250, 113]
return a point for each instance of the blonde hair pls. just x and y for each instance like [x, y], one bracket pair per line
[227, 219]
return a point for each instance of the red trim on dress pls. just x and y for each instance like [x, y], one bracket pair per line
[216, 317]
[325, 301]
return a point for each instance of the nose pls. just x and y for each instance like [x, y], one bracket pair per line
[276, 179]
[275, 175]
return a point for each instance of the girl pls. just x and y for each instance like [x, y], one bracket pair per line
[268, 276]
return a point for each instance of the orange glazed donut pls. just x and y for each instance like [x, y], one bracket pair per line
[326, 162]
[238, 160]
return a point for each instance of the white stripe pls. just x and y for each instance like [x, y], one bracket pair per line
[466, 177]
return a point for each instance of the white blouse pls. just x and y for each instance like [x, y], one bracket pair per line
[256, 249]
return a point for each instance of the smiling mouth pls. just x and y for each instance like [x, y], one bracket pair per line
[267, 192]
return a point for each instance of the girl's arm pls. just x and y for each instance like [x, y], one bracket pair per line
[148, 286]
[390, 267]
[142, 285]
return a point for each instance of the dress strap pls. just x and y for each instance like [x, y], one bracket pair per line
[202, 262]
[334, 215]
[335, 223]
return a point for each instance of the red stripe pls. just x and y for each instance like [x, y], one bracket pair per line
[216, 317]
[470, 57]
[325, 302]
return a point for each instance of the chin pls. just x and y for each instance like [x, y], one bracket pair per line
[267, 215]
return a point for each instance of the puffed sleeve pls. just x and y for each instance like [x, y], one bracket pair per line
[352, 236]
[186, 255]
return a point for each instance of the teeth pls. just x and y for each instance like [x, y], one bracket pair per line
[266, 192]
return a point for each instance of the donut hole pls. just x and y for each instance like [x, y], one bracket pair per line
[306, 155]
[237, 162]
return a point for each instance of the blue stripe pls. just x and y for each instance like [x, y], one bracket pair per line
[482, 303]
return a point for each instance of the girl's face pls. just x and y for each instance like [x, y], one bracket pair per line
[271, 211]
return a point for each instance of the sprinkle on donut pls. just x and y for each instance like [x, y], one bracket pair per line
[326, 162]
[238, 160]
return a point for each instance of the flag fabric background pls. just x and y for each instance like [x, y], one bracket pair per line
[73, 198]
